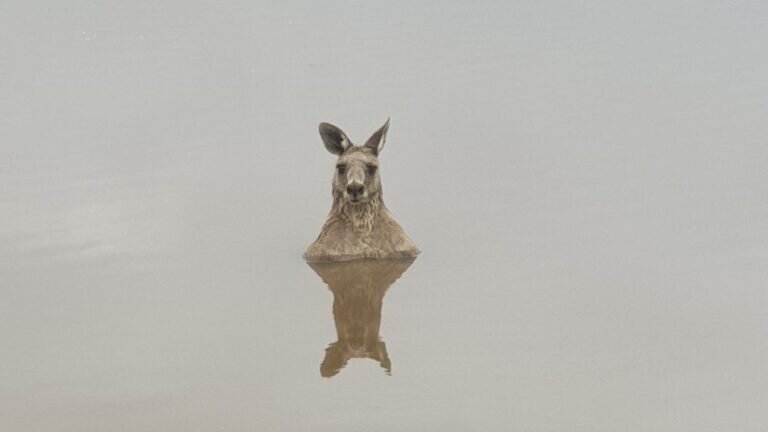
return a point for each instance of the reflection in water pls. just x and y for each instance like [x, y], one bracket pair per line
[358, 293]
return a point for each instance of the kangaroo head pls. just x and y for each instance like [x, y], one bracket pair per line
[356, 179]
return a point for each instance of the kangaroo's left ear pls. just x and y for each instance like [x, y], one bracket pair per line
[376, 141]
[383, 358]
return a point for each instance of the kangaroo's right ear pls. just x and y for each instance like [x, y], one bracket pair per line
[335, 139]
[333, 362]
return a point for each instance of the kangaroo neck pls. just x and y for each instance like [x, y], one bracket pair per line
[360, 216]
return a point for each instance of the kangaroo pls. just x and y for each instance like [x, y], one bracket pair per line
[358, 289]
[358, 225]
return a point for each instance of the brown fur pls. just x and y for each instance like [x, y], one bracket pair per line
[358, 289]
[362, 228]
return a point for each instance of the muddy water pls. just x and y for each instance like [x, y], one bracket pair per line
[587, 184]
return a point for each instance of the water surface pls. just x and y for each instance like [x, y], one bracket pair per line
[587, 184]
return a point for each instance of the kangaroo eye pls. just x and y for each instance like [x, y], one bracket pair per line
[372, 169]
[341, 169]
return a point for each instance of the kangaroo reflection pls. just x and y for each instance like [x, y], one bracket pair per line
[358, 292]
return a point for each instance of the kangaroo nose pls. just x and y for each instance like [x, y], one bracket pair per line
[355, 189]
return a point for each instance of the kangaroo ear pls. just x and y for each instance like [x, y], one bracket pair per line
[335, 139]
[333, 361]
[376, 141]
[383, 358]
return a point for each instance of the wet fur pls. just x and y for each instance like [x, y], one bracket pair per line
[362, 230]
[359, 230]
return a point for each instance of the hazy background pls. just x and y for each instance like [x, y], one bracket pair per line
[587, 182]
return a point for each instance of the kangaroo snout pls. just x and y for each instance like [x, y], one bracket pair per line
[355, 190]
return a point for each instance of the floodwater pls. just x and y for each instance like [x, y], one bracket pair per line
[587, 183]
